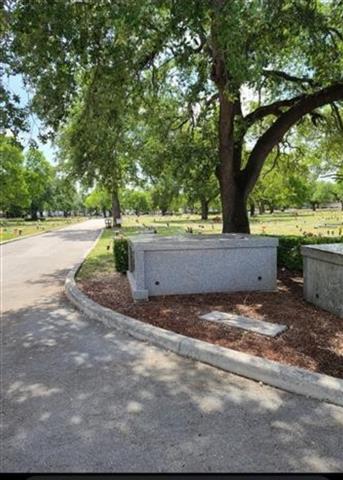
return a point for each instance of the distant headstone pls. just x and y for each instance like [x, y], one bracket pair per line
[108, 222]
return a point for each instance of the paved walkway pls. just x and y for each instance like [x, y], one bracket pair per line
[78, 397]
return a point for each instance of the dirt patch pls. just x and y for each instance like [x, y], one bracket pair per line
[314, 338]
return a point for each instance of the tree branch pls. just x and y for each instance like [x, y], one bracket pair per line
[210, 100]
[337, 116]
[186, 119]
[288, 77]
[275, 161]
[272, 109]
[337, 32]
[284, 122]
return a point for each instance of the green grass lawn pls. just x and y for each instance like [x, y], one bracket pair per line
[16, 228]
[323, 222]
[100, 259]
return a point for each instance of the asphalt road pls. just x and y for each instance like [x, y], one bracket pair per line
[79, 397]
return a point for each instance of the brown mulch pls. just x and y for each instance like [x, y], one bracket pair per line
[313, 340]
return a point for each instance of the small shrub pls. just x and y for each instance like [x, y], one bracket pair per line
[289, 254]
[121, 254]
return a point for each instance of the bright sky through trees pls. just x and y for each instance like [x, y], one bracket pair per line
[15, 84]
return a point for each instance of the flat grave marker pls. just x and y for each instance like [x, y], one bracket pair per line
[245, 323]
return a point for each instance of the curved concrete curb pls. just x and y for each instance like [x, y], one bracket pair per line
[292, 379]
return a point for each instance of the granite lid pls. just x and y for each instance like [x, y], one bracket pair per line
[202, 241]
[335, 248]
[326, 252]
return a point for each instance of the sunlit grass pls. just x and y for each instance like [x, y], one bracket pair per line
[324, 222]
[100, 259]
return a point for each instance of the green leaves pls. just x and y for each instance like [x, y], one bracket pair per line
[14, 191]
[136, 201]
[39, 175]
[30, 183]
[98, 200]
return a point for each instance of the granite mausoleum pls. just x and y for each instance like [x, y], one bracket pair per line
[187, 264]
[323, 276]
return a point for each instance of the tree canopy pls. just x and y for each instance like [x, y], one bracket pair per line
[14, 193]
[266, 66]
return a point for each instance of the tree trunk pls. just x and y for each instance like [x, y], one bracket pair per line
[313, 206]
[233, 194]
[104, 212]
[204, 209]
[116, 212]
[235, 215]
[235, 184]
[252, 209]
[34, 213]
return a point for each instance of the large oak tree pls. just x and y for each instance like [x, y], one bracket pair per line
[287, 54]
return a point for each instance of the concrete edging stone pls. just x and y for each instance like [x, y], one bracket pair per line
[292, 379]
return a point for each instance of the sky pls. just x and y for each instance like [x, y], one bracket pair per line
[15, 85]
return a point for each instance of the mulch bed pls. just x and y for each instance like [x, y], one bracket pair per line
[313, 340]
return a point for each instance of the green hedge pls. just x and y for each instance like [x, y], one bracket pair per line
[289, 254]
[121, 254]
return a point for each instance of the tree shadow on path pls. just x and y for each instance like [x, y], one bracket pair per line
[80, 397]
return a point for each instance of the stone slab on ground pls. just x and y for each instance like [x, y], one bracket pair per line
[246, 323]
